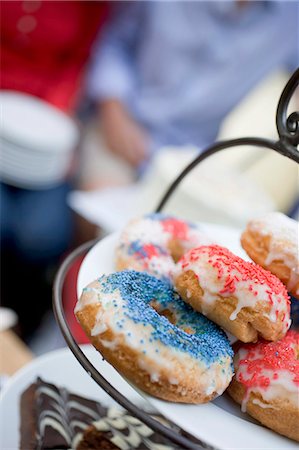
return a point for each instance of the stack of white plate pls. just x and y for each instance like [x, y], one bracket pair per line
[37, 141]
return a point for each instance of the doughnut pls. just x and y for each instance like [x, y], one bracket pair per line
[141, 326]
[266, 383]
[240, 296]
[154, 242]
[272, 242]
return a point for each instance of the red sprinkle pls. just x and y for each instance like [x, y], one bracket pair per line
[225, 262]
[151, 251]
[177, 228]
[275, 356]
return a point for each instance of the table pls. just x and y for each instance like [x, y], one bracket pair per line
[14, 354]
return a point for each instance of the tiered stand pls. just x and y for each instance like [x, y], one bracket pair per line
[286, 145]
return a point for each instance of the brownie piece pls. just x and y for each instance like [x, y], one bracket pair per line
[93, 439]
[125, 432]
[53, 418]
[28, 419]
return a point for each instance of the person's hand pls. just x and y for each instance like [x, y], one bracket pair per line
[122, 134]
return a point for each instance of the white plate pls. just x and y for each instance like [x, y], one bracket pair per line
[219, 423]
[30, 122]
[59, 367]
[8, 318]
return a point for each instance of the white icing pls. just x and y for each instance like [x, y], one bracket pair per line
[88, 411]
[159, 266]
[145, 230]
[154, 446]
[115, 412]
[282, 386]
[134, 421]
[210, 390]
[99, 328]
[127, 431]
[49, 392]
[247, 293]
[120, 442]
[77, 439]
[118, 423]
[256, 401]
[154, 377]
[173, 380]
[153, 356]
[283, 245]
[50, 422]
[150, 231]
[54, 415]
[89, 298]
[112, 345]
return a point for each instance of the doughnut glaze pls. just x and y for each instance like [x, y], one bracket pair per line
[266, 382]
[154, 242]
[142, 327]
[272, 242]
[240, 296]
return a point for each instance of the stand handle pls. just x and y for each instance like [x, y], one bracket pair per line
[288, 131]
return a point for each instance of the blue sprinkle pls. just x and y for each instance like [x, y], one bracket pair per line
[88, 289]
[137, 249]
[160, 217]
[138, 289]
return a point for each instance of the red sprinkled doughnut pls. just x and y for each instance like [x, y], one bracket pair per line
[240, 296]
[274, 356]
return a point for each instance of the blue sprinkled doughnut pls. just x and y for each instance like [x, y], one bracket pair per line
[144, 329]
[153, 242]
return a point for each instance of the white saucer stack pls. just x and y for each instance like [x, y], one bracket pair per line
[37, 141]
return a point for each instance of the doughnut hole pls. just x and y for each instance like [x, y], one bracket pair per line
[170, 315]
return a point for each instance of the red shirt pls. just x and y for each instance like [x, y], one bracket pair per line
[45, 46]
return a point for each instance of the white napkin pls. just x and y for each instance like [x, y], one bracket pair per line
[109, 208]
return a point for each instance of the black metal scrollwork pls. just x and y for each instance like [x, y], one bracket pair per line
[288, 127]
[288, 131]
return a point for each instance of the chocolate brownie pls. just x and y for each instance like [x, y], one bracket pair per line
[53, 418]
[125, 431]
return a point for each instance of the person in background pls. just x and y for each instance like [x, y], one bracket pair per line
[167, 73]
[45, 46]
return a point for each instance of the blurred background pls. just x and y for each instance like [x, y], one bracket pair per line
[104, 103]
